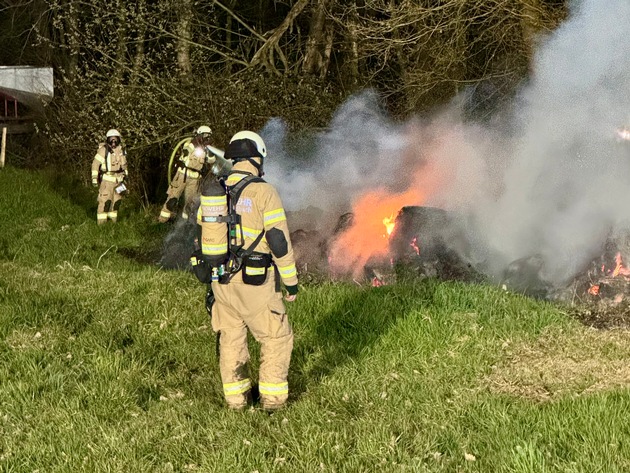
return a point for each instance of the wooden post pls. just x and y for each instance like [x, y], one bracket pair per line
[4, 146]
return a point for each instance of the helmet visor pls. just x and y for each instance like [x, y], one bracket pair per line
[113, 141]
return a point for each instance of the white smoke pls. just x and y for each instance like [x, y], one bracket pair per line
[552, 179]
[360, 150]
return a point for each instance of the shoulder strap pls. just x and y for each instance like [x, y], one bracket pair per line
[234, 193]
[236, 190]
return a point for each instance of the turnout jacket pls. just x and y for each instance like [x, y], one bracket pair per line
[112, 165]
[191, 165]
[260, 209]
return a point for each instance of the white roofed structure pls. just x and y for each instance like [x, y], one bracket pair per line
[23, 91]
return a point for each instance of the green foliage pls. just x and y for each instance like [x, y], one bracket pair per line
[107, 364]
[153, 117]
[157, 70]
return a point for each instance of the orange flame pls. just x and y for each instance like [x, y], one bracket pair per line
[620, 269]
[376, 282]
[365, 239]
[389, 223]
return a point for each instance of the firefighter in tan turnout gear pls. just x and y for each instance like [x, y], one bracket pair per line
[245, 240]
[189, 170]
[109, 166]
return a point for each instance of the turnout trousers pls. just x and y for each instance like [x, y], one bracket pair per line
[108, 200]
[237, 308]
[183, 183]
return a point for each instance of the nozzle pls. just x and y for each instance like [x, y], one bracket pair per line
[215, 151]
[221, 166]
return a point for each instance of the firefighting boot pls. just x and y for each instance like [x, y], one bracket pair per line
[169, 209]
[272, 406]
[271, 403]
[164, 217]
[241, 403]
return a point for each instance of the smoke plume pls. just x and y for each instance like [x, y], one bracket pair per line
[549, 177]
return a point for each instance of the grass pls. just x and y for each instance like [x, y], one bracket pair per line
[107, 363]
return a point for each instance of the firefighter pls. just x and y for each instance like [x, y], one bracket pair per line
[109, 167]
[189, 171]
[247, 288]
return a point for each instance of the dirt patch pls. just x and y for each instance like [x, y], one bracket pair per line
[607, 314]
[561, 364]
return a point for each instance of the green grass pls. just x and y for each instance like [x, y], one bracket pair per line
[107, 363]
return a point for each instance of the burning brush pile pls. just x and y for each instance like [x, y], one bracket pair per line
[428, 242]
[600, 294]
[374, 249]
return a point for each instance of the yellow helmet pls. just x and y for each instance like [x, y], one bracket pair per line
[112, 132]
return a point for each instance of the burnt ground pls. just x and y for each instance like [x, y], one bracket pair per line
[602, 315]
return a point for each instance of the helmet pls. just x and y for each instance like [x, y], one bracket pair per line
[113, 138]
[246, 144]
[202, 136]
[203, 130]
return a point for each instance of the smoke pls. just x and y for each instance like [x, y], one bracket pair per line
[360, 150]
[179, 244]
[568, 177]
[546, 178]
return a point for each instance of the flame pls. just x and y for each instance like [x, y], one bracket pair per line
[389, 223]
[594, 290]
[414, 245]
[425, 161]
[620, 269]
[376, 282]
[365, 240]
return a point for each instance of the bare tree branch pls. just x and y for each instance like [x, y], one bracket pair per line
[264, 55]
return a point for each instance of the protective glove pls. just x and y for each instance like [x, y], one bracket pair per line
[291, 293]
[94, 182]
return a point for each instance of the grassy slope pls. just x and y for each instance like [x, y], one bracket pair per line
[108, 364]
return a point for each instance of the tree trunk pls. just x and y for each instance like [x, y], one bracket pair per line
[184, 37]
[138, 58]
[351, 64]
[72, 38]
[42, 28]
[228, 33]
[121, 42]
[315, 60]
[264, 55]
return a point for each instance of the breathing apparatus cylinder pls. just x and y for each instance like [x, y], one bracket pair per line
[213, 211]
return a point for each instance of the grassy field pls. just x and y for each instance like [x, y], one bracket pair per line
[107, 363]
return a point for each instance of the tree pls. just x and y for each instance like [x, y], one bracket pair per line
[184, 36]
[132, 63]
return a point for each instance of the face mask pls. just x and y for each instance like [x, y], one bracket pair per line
[113, 142]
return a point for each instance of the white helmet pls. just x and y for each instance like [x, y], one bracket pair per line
[257, 141]
[203, 129]
[113, 132]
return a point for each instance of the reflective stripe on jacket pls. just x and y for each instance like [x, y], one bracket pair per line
[109, 162]
[260, 209]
